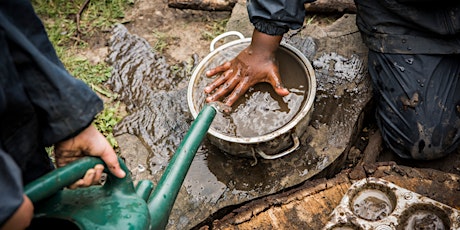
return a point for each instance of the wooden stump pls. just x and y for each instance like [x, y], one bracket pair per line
[210, 5]
[310, 205]
[331, 6]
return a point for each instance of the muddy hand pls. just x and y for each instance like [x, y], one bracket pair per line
[90, 142]
[92, 177]
[256, 63]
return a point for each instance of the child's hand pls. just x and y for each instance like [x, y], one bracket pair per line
[90, 142]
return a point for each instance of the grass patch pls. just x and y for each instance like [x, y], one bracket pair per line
[60, 20]
[60, 17]
[215, 29]
[162, 41]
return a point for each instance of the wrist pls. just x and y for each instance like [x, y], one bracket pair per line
[265, 43]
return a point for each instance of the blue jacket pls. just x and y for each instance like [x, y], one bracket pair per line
[40, 102]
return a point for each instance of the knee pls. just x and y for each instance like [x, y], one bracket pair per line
[423, 143]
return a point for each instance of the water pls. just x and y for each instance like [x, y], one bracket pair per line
[424, 220]
[371, 204]
[144, 82]
[401, 68]
[261, 111]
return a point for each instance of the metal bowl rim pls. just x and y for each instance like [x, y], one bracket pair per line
[308, 105]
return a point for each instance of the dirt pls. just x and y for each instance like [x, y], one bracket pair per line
[180, 32]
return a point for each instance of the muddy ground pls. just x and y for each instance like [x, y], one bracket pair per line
[181, 32]
[184, 33]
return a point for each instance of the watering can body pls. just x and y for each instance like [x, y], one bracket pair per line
[117, 204]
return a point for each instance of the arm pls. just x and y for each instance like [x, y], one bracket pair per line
[64, 105]
[22, 217]
[16, 210]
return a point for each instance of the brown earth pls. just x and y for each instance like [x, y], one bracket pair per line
[181, 32]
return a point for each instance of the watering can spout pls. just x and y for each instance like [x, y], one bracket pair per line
[161, 201]
[116, 204]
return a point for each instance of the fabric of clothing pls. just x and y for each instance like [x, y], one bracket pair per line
[389, 26]
[40, 102]
[413, 64]
[276, 17]
[417, 100]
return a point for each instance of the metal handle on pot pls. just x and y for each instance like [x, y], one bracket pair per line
[296, 144]
[226, 34]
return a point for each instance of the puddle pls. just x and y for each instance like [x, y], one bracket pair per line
[155, 96]
[425, 217]
[424, 220]
[372, 205]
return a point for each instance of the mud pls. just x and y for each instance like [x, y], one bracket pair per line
[154, 94]
[236, 179]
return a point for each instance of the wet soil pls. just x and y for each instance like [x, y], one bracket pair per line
[182, 31]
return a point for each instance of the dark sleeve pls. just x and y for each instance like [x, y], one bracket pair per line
[65, 104]
[426, 1]
[11, 190]
[276, 17]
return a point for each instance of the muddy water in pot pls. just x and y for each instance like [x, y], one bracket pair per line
[261, 111]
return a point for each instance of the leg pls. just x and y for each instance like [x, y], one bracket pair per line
[418, 103]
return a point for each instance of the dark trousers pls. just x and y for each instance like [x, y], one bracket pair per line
[418, 102]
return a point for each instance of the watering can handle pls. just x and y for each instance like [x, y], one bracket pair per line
[296, 143]
[50, 183]
[226, 34]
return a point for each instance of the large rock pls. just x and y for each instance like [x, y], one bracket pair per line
[156, 101]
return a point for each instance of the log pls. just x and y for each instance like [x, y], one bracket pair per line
[208, 5]
[309, 206]
[331, 6]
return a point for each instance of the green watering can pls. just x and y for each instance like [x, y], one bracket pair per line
[117, 204]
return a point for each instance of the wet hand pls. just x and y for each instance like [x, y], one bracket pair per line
[90, 142]
[256, 63]
[239, 74]
[92, 177]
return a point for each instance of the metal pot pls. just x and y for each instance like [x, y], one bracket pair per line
[277, 141]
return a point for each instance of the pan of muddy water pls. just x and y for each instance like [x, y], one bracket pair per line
[261, 122]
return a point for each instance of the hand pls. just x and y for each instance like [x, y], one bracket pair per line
[256, 63]
[90, 142]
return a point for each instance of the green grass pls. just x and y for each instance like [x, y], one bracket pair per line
[59, 18]
[162, 41]
[215, 29]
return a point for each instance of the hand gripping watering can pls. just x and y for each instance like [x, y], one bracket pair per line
[117, 204]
